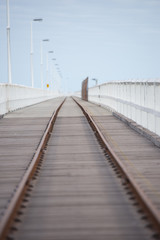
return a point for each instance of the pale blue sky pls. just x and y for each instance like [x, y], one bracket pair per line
[103, 39]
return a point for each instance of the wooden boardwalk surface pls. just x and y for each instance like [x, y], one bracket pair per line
[76, 195]
[140, 156]
[20, 133]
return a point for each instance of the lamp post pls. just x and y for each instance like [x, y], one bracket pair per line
[94, 79]
[31, 53]
[47, 69]
[44, 40]
[59, 76]
[54, 75]
[8, 45]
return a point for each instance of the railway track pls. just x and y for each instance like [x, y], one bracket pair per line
[75, 188]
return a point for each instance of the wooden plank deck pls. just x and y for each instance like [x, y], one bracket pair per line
[77, 195]
[20, 133]
[140, 156]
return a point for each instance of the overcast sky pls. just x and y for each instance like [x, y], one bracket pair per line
[103, 39]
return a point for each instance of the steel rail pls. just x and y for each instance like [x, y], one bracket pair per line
[146, 204]
[15, 202]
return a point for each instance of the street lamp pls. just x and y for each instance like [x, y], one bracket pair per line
[94, 79]
[8, 45]
[54, 75]
[58, 74]
[44, 40]
[48, 64]
[31, 53]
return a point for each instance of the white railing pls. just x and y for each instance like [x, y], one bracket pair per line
[77, 94]
[137, 100]
[15, 96]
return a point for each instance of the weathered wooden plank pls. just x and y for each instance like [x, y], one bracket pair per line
[20, 133]
[140, 156]
[77, 195]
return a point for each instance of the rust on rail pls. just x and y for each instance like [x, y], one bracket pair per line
[146, 204]
[16, 200]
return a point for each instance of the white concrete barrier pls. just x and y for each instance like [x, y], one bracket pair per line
[137, 100]
[15, 96]
[77, 94]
